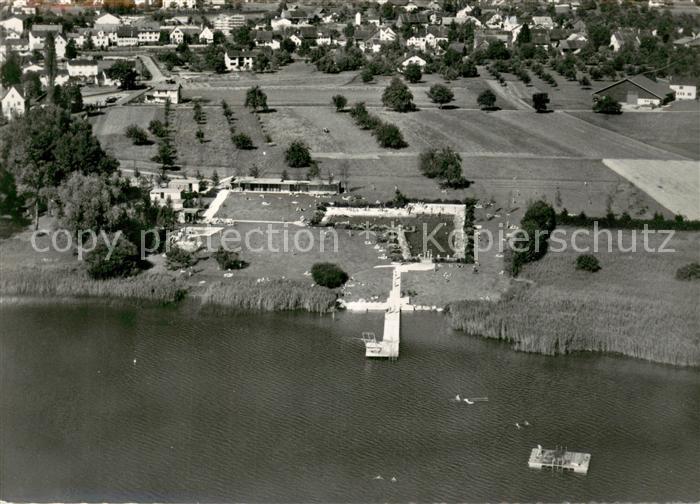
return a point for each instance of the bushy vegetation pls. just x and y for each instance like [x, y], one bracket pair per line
[328, 275]
[587, 262]
[540, 101]
[242, 141]
[689, 272]
[339, 101]
[228, 259]
[387, 135]
[122, 261]
[486, 100]
[413, 73]
[440, 94]
[137, 135]
[256, 99]
[177, 258]
[606, 105]
[532, 239]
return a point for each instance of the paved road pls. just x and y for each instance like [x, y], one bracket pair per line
[156, 74]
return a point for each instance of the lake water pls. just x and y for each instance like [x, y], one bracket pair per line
[99, 402]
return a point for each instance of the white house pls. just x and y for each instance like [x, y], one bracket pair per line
[386, 34]
[415, 60]
[13, 25]
[83, 68]
[265, 39]
[107, 19]
[684, 91]
[279, 24]
[164, 92]
[465, 12]
[149, 35]
[239, 61]
[127, 36]
[206, 36]
[161, 196]
[622, 38]
[545, 22]
[177, 36]
[226, 23]
[13, 103]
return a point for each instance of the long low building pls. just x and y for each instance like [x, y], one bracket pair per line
[252, 184]
[636, 90]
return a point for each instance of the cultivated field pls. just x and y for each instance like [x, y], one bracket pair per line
[674, 184]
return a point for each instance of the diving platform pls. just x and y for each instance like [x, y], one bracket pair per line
[559, 460]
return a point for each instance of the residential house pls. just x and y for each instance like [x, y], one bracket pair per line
[625, 37]
[413, 60]
[60, 44]
[636, 90]
[14, 26]
[61, 78]
[239, 61]
[148, 34]
[544, 22]
[482, 38]
[163, 196]
[39, 32]
[413, 19]
[226, 23]
[182, 33]
[206, 36]
[266, 39]
[164, 92]
[82, 68]
[13, 102]
[279, 24]
[387, 34]
[324, 36]
[127, 36]
[107, 20]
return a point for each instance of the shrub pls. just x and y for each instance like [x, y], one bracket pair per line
[689, 272]
[367, 75]
[444, 164]
[540, 101]
[587, 262]
[298, 155]
[389, 136]
[158, 128]
[199, 134]
[177, 258]
[340, 102]
[606, 105]
[123, 261]
[228, 259]
[137, 135]
[242, 141]
[328, 275]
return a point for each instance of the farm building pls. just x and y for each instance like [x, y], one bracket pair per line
[252, 184]
[685, 89]
[636, 90]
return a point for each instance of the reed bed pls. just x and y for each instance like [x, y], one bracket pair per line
[272, 295]
[75, 283]
[633, 306]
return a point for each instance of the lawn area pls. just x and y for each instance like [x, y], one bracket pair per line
[634, 305]
[269, 206]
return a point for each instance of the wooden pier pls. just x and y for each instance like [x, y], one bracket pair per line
[559, 460]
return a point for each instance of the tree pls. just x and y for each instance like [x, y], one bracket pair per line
[367, 75]
[124, 72]
[50, 65]
[398, 97]
[444, 164]
[157, 128]
[440, 94]
[167, 154]
[121, 261]
[542, 214]
[340, 102]
[389, 136]
[256, 98]
[540, 101]
[71, 51]
[32, 84]
[215, 178]
[87, 202]
[690, 271]
[486, 100]
[288, 46]
[525, 35]
[298, 155]
[137, 135]
[11, 71]
[606, 105]
[243, 141]
[587, 262]
[11, 203]
[328, 275]
[228, 259]
[468, 69]
[585, 82]
[413, 73]
[314, 172]
[199, 134]
[70, 98]
[198, 113]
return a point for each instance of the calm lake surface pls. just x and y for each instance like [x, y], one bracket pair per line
[100, 402]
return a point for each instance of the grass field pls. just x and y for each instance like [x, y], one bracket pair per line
[633, 306]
